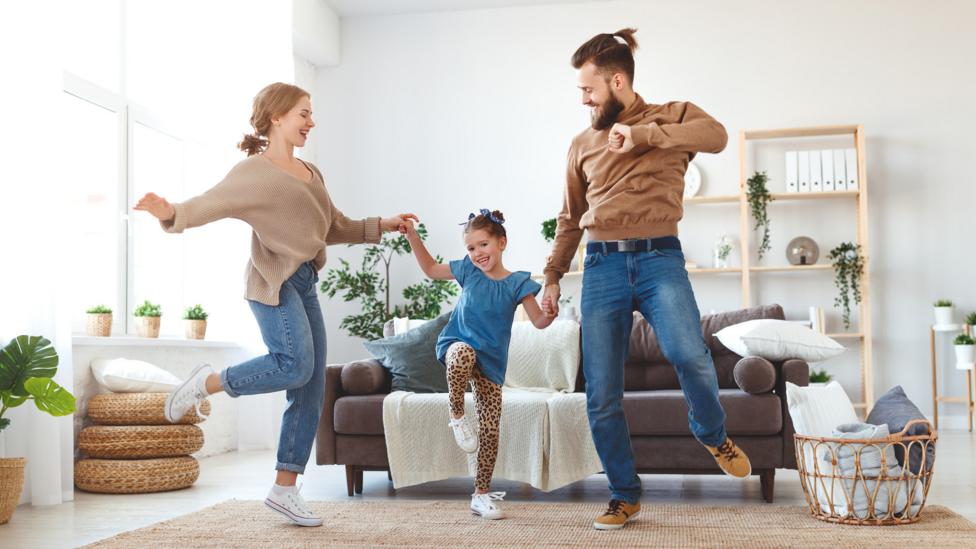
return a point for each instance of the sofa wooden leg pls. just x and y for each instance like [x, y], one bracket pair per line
[389, 475]
[766, 480]
[359, 481]
[350, 479]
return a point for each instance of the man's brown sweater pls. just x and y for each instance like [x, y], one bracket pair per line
[292, 221]
[637, 194]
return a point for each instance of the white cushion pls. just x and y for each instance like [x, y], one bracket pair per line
[817, 411]
[544, 359]
[403, 324]
[778, 340]
[123, 375]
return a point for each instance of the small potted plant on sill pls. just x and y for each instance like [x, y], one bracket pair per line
[196, 322]
[819, 378]
[27, 365]
[943, 312]
[99, 321]
[147, 319]
[964, 352]
[567, 310]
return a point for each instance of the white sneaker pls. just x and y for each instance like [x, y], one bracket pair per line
[464, 435]
[485, 507]
[188, 394]
[290, 503]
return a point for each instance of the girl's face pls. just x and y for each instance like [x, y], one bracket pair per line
[294, 125]
[484, 249]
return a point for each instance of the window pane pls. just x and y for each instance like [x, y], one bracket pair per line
[94, 205]
[157, 256]
[92, 44]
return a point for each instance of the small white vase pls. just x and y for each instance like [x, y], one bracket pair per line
[943, 315]
[568, 312]
[965, 357]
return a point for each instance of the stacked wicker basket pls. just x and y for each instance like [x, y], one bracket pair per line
[132, 449]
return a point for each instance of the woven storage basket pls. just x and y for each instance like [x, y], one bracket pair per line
[99, 324]
[142, 441]
[11, 485]
[862, 491]
[135, 476]
[136, 409]
[147, 326]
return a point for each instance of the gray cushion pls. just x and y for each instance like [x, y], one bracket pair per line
[755, 375]
[895, 410]
[411, 358]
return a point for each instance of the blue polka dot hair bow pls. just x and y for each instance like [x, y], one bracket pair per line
[487, 213]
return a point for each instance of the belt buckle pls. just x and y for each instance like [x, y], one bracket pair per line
[629, 245]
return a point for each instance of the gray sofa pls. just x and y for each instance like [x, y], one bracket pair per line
[752, 391]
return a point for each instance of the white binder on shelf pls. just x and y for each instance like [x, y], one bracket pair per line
[791, 177]
[850, 166]
[816, 175]
[840, 174]
[803, 170]
[827, 165]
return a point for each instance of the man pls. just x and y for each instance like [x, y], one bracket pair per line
[624, 185]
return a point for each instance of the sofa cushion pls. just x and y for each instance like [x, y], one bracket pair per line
[778, 340]
[755, 375]
[548, 359]
[895, 410]
[364, 377]
[817, 411]
[411, 358]
[359, 415]
[665, 412]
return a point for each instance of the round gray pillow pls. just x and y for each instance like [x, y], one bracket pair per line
[363, 378]
[755, 375]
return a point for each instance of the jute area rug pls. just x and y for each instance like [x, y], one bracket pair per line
[441, 524]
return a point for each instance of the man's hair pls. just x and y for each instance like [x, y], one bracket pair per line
[609, 55]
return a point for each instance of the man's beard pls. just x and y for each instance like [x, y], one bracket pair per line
[605, 115]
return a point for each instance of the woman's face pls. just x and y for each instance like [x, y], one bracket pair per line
[293, 126]
[484, 249]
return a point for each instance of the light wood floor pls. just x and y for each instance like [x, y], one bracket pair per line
[248, 475]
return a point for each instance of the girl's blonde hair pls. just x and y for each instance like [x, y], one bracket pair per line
[274, 100]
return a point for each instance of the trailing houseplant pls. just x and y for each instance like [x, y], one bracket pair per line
[370, 284]
[196, 322]
[759, 198]
[943, 312]
[147, 319]
[848, 267]
[549, 229]
[99, 322]
[27, 365]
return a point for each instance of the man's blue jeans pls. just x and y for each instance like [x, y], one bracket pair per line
[656, 284]
[294, 332]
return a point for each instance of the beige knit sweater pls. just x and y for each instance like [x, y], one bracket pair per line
[292, 221]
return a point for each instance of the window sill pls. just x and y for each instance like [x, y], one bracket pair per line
[133, 341]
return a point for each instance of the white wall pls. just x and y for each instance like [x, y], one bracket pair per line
[444, 113]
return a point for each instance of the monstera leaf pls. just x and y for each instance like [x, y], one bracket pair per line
[23, 358]
[50, 397]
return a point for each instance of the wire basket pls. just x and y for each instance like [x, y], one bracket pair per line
[877, 482]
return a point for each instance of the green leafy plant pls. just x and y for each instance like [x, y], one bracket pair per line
[148, 309]
[848, 267]
[372, 288]
[566, 300]
[971, 319]
[27, 365]
[195, 312]
[758, 197]
[943, 303]
[549, 229]
[963, 339]
[99, 310]
[724, 249]
[820, 376]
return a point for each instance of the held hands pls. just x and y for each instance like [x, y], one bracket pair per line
[157, 206]
[550, 300]
[388, 224]
[620, 140]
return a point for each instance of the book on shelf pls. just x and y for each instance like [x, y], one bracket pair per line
[803, 170]
[791, 171]
[850, 164]
[816, 175]
[827, 165]
[840, 174]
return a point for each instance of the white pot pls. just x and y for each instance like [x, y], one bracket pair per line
[943, 315]
[818, 384]
[568, 312]
[965, 356]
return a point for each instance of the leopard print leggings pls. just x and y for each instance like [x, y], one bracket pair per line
[461, 369]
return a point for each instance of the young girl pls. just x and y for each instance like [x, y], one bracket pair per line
[474, 344]
[285, 202]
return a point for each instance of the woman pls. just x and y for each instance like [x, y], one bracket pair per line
[285, 202]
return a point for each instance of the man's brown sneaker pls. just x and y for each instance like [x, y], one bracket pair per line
[617, 513]
[731, 459]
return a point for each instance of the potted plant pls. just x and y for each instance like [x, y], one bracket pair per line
[196, 322]
[566, 308]
[147, 319]
[549, 229]
[819, 378]
[99, 321]
[722, 252]
[27, 365]
[848, 267]
[971, 321]
[943, 312]
[964, 351]
[759, 198]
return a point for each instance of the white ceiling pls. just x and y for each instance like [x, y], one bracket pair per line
[358, 8]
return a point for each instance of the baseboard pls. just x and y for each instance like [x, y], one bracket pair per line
[955, 422]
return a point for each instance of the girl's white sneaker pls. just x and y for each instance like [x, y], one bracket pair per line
[289, 502]
[464, 435]
[485, 506]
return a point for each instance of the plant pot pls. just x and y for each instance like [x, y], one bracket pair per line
[11, 485]
[567, 312]
[196, 329]
[818, 384]
[147, 326]
[99, 324]
[965, 356]
[943, 315]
